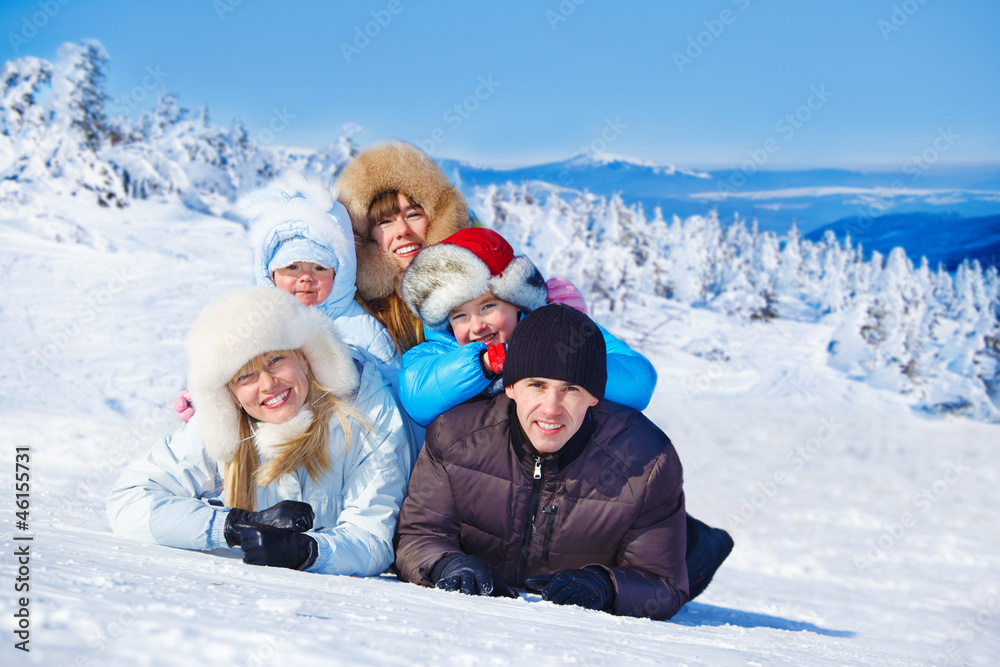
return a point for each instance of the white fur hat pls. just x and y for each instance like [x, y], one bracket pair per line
[464, 266]
[241, 326]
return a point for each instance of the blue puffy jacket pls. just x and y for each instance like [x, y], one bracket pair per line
[439, 374]
[164, 497]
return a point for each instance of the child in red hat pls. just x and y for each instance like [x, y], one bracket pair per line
[470, 291]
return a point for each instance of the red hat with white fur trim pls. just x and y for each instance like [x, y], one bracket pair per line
[464, 266]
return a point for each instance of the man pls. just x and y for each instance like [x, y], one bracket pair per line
[549, 488]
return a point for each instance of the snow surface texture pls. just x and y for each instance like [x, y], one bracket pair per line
[831, 440]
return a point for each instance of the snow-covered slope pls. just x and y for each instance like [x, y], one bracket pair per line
[865, 532]
[932, 335]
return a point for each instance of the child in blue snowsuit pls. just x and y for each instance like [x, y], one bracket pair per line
[470, 291]
[301, 247]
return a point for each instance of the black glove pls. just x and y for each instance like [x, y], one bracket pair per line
[590, 588]
[286, 515]
[470, 574]
[277, 548]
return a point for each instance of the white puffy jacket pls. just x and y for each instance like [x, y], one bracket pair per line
[164, 496]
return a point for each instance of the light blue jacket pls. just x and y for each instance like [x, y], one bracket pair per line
[356, 326]
[163, 497]
[439, 374]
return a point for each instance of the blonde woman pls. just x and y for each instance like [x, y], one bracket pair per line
[298, 454]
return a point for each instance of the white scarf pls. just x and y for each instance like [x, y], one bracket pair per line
[270, 438]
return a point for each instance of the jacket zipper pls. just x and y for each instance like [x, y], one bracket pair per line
[529, 523]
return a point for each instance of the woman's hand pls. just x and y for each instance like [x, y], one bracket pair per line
[277, 548]
[290, 515]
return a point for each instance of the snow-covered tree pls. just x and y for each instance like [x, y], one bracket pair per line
[78, 89]
[896, 327]
[21, 81]
[56, 134]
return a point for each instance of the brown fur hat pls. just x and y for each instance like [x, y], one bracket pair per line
[396, 165]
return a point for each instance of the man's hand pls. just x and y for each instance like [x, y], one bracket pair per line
[590, 588]
[471, 575]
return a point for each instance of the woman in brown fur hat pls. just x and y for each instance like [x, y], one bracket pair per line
[399, 201]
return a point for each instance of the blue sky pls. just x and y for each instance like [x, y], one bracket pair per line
[704, 84]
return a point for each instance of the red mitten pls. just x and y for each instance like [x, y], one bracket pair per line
[495, 354]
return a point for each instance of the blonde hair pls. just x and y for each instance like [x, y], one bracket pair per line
[243, 474]
[405, 328]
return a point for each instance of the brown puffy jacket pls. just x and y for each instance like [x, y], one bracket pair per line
[611, 497]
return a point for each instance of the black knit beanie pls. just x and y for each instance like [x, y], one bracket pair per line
[560, 343]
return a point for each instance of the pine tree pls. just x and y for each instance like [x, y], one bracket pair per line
[833, 289]
[789, 280]
[78, 86]
[21, 81]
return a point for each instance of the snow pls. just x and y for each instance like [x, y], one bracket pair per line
[865, 531]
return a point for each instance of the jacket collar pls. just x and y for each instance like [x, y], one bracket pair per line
[565, 456]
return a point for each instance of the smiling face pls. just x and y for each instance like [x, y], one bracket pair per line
[308, 282]
[273, 387]
[400, 229]
[550, 411]
[486, 319]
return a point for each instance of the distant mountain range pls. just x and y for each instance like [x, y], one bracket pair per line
[811, 198]
[944, 239]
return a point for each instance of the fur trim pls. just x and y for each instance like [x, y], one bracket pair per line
[242, 325]
[396, 165]
[444, 277]
[270, 439]
[288, 185]
[521, 284]
[441, 279]
[293, 205]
